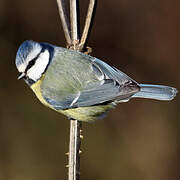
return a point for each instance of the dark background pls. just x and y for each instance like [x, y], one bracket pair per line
[139, 140]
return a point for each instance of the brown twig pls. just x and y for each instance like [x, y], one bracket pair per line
[75, 126]
[74, 22]
[72, 38]
[64, 21]
[74, 150]
[87, 23]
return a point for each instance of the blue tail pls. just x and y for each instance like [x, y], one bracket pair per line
[158, 92]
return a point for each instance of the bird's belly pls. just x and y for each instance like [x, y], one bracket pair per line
[85, 114]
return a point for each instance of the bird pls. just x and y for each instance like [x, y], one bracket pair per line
[78, 85]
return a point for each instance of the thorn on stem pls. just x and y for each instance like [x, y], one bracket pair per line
[88, 50]
[81, 136]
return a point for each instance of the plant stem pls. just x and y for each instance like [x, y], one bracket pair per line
[75, 126]
[64, 21]
[88, 22]
[73, 42]
[74, 22]
[74, 150]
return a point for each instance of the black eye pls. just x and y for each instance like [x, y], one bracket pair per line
[30, 64]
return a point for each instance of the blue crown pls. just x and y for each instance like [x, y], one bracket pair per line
[23, 51]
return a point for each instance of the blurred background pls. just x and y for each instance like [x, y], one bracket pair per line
[138, 140]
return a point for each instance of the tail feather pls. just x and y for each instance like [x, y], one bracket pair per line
[158, 92]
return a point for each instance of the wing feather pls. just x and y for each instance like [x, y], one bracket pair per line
[77, 80]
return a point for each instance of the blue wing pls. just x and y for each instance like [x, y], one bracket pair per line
[91, 82]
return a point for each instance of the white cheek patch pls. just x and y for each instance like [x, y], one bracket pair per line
[39, 67]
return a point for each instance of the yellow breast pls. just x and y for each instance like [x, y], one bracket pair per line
[36, 87]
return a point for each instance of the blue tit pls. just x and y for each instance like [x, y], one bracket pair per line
[77, 85]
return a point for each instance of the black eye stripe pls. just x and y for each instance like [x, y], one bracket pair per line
[32, 62]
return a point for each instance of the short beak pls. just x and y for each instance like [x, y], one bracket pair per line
[22, 75]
